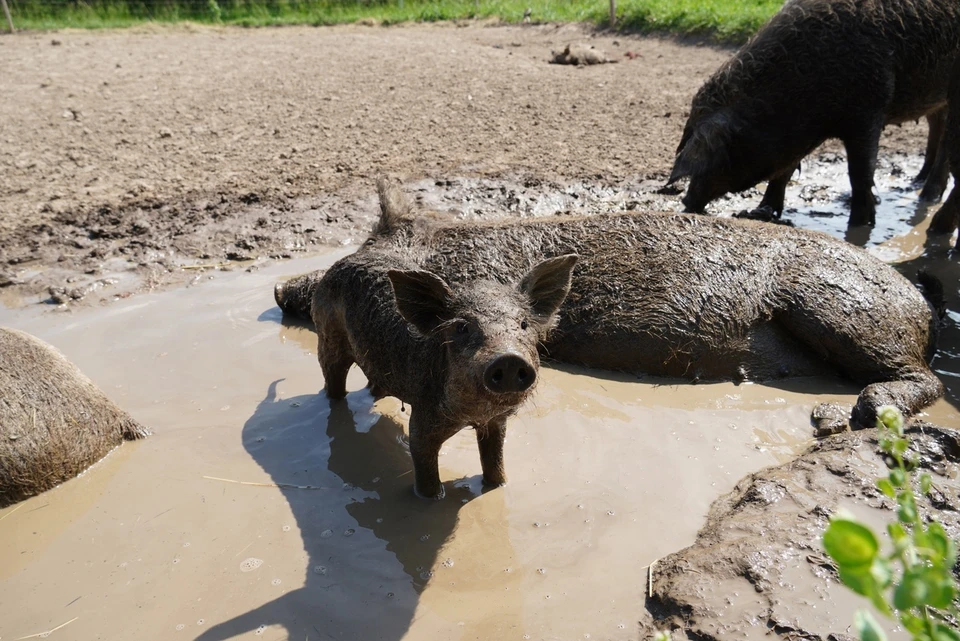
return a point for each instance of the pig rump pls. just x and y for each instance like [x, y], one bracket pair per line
[54, 422]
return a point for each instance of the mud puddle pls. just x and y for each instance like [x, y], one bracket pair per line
[187, 535]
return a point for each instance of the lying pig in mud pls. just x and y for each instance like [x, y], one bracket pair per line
[464, 356]
[696, 297]
[54, 422]
[822, 69]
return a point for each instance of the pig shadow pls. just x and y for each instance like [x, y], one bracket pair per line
[370, 543]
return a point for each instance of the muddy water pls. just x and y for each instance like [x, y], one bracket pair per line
[187, 535]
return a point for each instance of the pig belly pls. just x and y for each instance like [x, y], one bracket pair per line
[765, 352]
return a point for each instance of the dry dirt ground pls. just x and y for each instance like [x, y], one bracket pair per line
[140, 151]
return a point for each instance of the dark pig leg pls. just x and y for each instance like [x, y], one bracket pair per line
[936, 165]
[490, 438]
[861, 164]
[946, 220]
[335, 361]
[776, 190]
[426, 439]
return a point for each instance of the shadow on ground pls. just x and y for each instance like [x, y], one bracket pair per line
[380, 556]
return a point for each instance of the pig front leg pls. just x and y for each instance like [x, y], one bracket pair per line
[490, 438]
[861, 165]
[910, 394]
[773, 198]
[427, 435]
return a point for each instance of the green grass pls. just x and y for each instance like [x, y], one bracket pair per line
[724, 20]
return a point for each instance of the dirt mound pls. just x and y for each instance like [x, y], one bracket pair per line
[758, 565]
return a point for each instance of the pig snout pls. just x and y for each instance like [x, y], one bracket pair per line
[509, 373]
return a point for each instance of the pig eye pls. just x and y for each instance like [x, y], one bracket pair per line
[462, 328]
[523, 324]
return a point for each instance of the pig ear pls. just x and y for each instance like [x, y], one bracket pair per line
[423, 299]
[547, 285]
[704, 147]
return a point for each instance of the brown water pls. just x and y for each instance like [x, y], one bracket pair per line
[160, 541]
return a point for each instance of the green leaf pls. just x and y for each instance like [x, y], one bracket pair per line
[925, 483]
[942, 544]
[898, 477]
[890, 417]
[886, 487]
[867, 627]
[911, 592]
[900, 446]
[914, 624]
[850, 544]
[896, 532]
[907, 512]
[944, 632]
[882, 573]
[942, 591]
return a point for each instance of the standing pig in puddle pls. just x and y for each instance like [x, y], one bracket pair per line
[822, 69]
[699, 297]
[460, 357]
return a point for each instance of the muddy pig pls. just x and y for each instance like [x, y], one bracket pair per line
[947, 219]
[821, 69]
[703, 298]
[54, 422]
[460, 357]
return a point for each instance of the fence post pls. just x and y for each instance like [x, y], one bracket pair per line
[6, 11]
[613, 12]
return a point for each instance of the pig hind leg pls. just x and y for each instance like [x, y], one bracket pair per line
[936, 166]
[335, 358]
[946, 220]
[915, 390]
[892, 377]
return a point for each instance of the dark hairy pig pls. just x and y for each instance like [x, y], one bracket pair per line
[460, 356]
[822, 69]
[701, 298]
[54, 422]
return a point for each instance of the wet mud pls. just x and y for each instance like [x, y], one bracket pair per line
[758, 567]
[259, 508]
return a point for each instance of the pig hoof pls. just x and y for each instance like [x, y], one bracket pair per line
[763, 213]
[829, 419]
[435, 496]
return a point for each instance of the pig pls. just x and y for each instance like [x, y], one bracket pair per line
[579, 55]
[821, 69]
[464, 356]
[947, 218]
[54, 422]
[703, 298]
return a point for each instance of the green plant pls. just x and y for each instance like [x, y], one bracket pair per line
[913, 582]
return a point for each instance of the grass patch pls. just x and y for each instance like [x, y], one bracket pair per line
[724, 20]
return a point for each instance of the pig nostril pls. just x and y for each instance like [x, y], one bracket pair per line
[522, 375]
[497, 376]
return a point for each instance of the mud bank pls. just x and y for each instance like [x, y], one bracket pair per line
[758, 567]
[607, 474]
